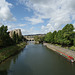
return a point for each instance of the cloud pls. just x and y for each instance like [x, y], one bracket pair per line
[59, 12]
[21, 25]
[12, 26]
[74, 24]
[28, 32]
[47, 28]
[34, 20]
[5, 13]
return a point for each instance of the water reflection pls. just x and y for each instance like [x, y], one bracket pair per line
[4, 72]
[31, 42]
[37, 60]
[4, 67]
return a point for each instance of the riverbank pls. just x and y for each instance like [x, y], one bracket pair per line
[55, 48]
[10, 51]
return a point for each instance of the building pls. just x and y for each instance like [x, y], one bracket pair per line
[17, 31]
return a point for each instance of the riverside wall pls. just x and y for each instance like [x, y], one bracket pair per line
[66, 51]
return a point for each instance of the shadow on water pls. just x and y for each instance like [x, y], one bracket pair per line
[14, 67]
[4, 72]
[7, 69]
[25, 71]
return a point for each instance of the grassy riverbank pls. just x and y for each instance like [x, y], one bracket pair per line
[11, 50]
[70, 48]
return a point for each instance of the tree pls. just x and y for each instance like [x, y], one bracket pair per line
[65, 37]
[54, 37]
[14, 37]
[73, 38]
[68, 37]
[60, 37]
[36, 38]
[48, 37]
[5, 39]
[68, 28]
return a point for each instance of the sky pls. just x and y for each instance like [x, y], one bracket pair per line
[37, 16]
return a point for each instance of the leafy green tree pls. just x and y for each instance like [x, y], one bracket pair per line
[68, 34]
[36, 38]
[65, 37]
[5, 39]
[17, 38]
[73, 38]
[68, 28]
[74, 42]
[41, 39]
[54, 37]
[14, 37]
[48, 37]
[60, 37]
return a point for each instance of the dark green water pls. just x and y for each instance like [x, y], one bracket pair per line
[37, 60]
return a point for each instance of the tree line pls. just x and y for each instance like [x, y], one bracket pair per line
[6, 40]
[64, 37]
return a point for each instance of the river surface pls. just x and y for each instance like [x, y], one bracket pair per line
[36, 59]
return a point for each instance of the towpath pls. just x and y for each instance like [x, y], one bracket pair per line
[66, 51]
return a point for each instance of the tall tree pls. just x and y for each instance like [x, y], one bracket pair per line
[68, 28]
[5, 40]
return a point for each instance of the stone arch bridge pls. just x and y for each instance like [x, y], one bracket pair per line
[31, 37]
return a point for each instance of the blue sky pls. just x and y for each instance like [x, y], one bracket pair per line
[37, 16]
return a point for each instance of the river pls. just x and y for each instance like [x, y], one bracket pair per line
[36, 59]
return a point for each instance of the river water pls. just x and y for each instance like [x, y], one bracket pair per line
[36, 59]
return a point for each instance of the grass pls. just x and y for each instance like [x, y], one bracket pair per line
[11, 50]
[72, 48]
[58, 45]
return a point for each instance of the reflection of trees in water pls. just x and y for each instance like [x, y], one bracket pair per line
[31, 42]
[19, 69]
[15, 58]
[4, 72]
[5, 66]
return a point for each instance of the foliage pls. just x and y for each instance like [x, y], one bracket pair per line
[17, 38]
[48, 37]
[64, 37]
[5, 39]
[11, 50]
[39, 39]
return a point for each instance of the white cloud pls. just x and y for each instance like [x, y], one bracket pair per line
[34, 20]
[59, 12]
[47, 28]
[21, 25]
[5, 13]
[74, 25]
[12, 26]
[0, 24]
[28, 32]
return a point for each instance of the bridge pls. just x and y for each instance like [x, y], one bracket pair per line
[31, 37]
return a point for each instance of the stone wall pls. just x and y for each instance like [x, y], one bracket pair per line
[17, 31]
[55, 48]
